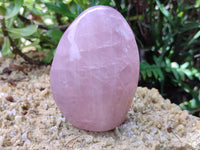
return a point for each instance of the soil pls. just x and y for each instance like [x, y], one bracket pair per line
[30, 119]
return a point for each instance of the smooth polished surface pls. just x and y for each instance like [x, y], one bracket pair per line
[95, 70]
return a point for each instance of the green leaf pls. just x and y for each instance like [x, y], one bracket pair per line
[76, 9]
[174, 65]
[180, 14]
[143, 74]
[49, 57]
[193, 104]
[196, 36]
[184, 106]
[104, 2]
[175, 73]
[181, 74]
[54, 34]
[155, 73]
[37, 11]
[161, 74]
[168, 69]
[188, 74]
[82, 3]
[68, 2]
[197, 75]
[197, 4]
[190, 27]
[186, 87]
[143, 67]
[54, 8]
[149, 73]
[93, 2]
[33, 44]
[10, 22]
[6, 49]
[23, 32]
[62, 9]
[12, 11]
[2, 10]
[164, 11]
[185, 65]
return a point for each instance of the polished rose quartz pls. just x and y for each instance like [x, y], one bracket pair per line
[95, 70]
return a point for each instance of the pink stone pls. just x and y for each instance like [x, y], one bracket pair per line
[95, 70]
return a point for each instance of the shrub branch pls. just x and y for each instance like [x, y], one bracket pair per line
[41, 25]
[16, 50]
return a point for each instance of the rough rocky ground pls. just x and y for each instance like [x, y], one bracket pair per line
[29, 118]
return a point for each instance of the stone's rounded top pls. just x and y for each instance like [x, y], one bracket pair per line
[95, 70]
[98, 26]
[100, 8]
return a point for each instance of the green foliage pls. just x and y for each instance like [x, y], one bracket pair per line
[22, 32]
[54, 34]
[13, 9]
[49, 57]
[6, 51]
[178, 74]
[154, 70]
[174, 50]
[167, 33]
[61, 9]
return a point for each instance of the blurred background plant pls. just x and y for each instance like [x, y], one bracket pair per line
[167, 33]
